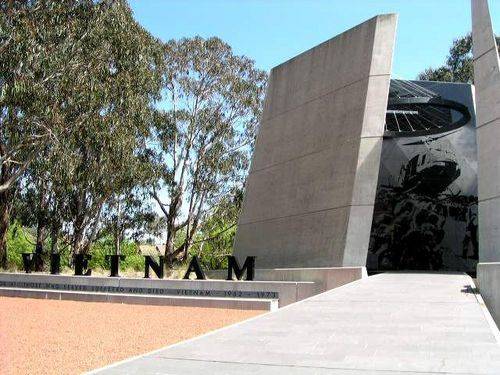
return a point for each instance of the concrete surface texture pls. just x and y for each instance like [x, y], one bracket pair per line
[487, 85]
[262, 304]
[311, 188]
[488, 275]
[392, 323]
[326, 278]
[285, 291]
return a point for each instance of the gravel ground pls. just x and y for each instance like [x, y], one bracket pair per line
[67, 337]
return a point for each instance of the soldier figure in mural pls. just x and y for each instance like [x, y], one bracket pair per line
[425, 208]
[470, 239]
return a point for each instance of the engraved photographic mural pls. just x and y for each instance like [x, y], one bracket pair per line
[425, 214]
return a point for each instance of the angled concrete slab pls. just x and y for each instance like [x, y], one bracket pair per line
[487, 85]
[386, 324]
[311, 188]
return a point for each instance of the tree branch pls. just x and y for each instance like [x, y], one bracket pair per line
[162, 205]
[7, 184]
[215, 235]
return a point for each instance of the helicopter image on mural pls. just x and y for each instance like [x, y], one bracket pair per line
[425, 214]
[429, 173]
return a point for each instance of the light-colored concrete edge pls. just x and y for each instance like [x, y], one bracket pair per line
[95, 371]
[309, 50]
[121, 298]
[179, 281]
[486, 312]
[346, 268]
[220, 274]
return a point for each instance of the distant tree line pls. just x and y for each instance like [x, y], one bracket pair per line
[100, 122]
[459, 63]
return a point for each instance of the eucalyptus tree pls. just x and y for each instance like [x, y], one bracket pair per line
[38, 65]
[30, 71]
[42, 195]
[201, 143]
[130, 215]
[459, 64]
[116, 92]
[78, 81]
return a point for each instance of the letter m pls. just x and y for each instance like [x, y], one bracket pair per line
[233, 265]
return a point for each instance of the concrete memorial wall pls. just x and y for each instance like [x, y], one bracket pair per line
[487, 84]
[201, 293]
[311, 188]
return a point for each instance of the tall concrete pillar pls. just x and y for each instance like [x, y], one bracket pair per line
[311, 188]
[487, 85]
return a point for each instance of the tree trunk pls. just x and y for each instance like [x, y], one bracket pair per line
[118, 228]
[169, 250]
[54, 232]
[190, 231]
[40, 236]
[6, 198]
[186, 242]
[55, 229]
[77, 244]
[6, 202]
[41, 230]
[5, 207]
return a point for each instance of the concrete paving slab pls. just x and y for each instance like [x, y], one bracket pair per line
[411, 323]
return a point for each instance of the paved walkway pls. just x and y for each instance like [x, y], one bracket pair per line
[393, 323]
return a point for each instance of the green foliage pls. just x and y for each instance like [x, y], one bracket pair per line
[214, 241]
[105, 246]
[79, 82]
[117, 93]
[83, 145]
[19, 241]
[459, 64]
[212, 253]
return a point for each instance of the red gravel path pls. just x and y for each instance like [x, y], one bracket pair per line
[67, 337]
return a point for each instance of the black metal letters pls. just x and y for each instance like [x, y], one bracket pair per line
[157, 268]
[194, 266]
[115, 264]
[34, 262]
[55, 263]
[28, 261]
[232, 264]
[81, 265]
